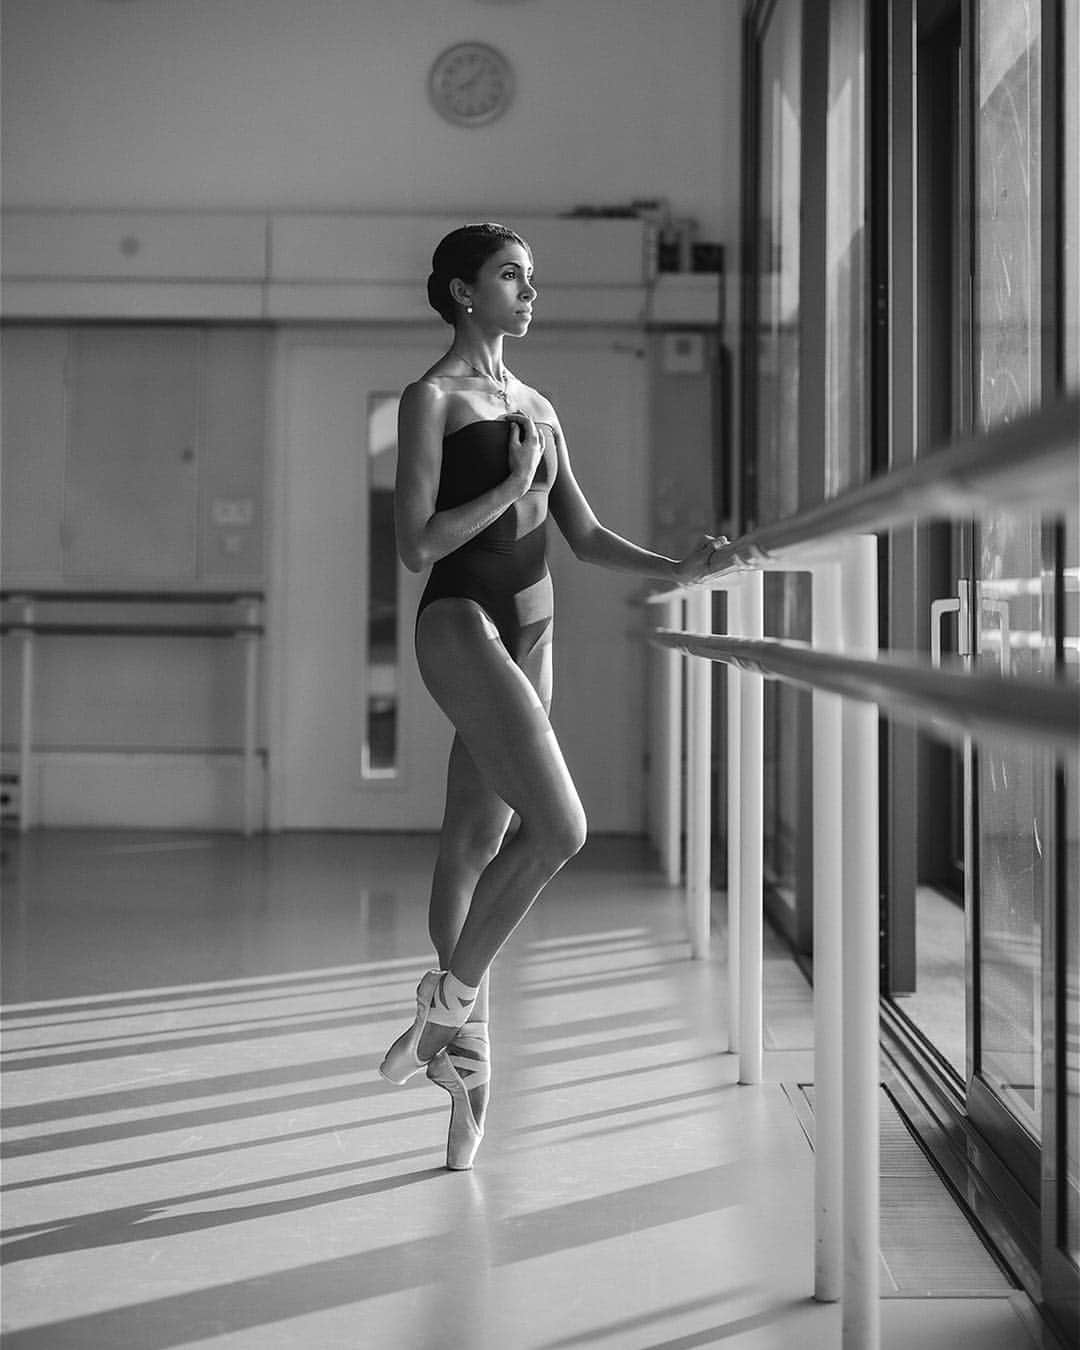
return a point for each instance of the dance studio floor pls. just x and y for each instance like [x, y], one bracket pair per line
[198, 1152]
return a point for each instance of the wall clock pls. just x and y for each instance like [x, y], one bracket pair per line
[471, 83]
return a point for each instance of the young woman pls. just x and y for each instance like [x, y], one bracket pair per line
[482, 460]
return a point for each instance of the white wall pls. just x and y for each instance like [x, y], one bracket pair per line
[322, 104]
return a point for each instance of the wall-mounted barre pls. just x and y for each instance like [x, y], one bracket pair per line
[28, 625]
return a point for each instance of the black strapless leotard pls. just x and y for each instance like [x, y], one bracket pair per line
[504, 567]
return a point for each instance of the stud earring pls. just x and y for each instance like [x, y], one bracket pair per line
[468, 309]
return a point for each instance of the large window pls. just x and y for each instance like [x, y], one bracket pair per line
[1012, 799]
[845, 250]
[775, 459]
[1069, 1237]
[777, 250]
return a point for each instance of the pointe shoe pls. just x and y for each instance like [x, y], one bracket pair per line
[464, 1065]
[401, 1060]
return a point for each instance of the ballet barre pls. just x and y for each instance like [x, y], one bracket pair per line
[1030, 464]
[29, 625]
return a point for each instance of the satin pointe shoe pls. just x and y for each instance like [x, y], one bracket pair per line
[433, 1004]
[462, 1067]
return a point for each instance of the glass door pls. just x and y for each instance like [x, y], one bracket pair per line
[990, 986]
[1021, 858]
[1010, 609]
[927, 942]
[1061, 1077]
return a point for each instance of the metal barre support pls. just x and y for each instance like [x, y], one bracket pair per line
[860, 1086]
[671, 760]
[828, 949]
[845, 829]
[698, 782]
[750, 616]
[734, 814]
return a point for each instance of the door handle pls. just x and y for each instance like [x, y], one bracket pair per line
[938, 610]
[954, 604]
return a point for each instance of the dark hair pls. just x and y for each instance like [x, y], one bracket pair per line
[461, 254]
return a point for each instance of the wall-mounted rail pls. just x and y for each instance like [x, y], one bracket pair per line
[1033, 465]
[26, 619]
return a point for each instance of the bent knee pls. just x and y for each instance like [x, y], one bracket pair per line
[561, 839]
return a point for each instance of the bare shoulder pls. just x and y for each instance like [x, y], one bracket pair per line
[423, 402]
[536, 405]
[424, 394]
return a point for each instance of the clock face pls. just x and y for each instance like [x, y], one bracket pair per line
[471, 83]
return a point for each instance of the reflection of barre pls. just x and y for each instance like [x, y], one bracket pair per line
[1019, 639]
[1006, 588]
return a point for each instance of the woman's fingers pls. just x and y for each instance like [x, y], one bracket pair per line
[523, 425]
[525, 448]
[698, 563]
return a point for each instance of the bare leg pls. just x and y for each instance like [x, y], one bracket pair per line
[474, 826]
[474, 823]
[502, 721]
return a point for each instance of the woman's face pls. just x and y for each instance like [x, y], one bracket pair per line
[502, 294]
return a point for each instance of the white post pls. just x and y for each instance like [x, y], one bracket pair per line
[698, 788]
[734, 808]
[671, 767]
[861, 1072]
[828, 951]
[26, 722]
[251, 690]
[751, 879]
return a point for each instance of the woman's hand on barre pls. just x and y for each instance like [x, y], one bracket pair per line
[697, 564]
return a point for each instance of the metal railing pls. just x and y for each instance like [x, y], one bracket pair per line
[26, 619]
[1033, 465]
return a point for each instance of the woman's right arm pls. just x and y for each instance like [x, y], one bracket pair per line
[424, 535]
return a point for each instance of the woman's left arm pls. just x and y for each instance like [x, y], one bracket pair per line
[593, 542]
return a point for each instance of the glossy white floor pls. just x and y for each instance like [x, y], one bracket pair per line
[198, 1151]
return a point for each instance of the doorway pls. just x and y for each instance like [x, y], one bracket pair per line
[355, 741]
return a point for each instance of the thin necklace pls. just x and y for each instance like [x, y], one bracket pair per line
[501, 390]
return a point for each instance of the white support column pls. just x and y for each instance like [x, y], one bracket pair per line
[671, 735]
[734, 807]
[828, 950]
[751, 881]
[698, 786]
[861, 1069]
[26, 722]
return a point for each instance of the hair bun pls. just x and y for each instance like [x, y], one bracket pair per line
[439, 298]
